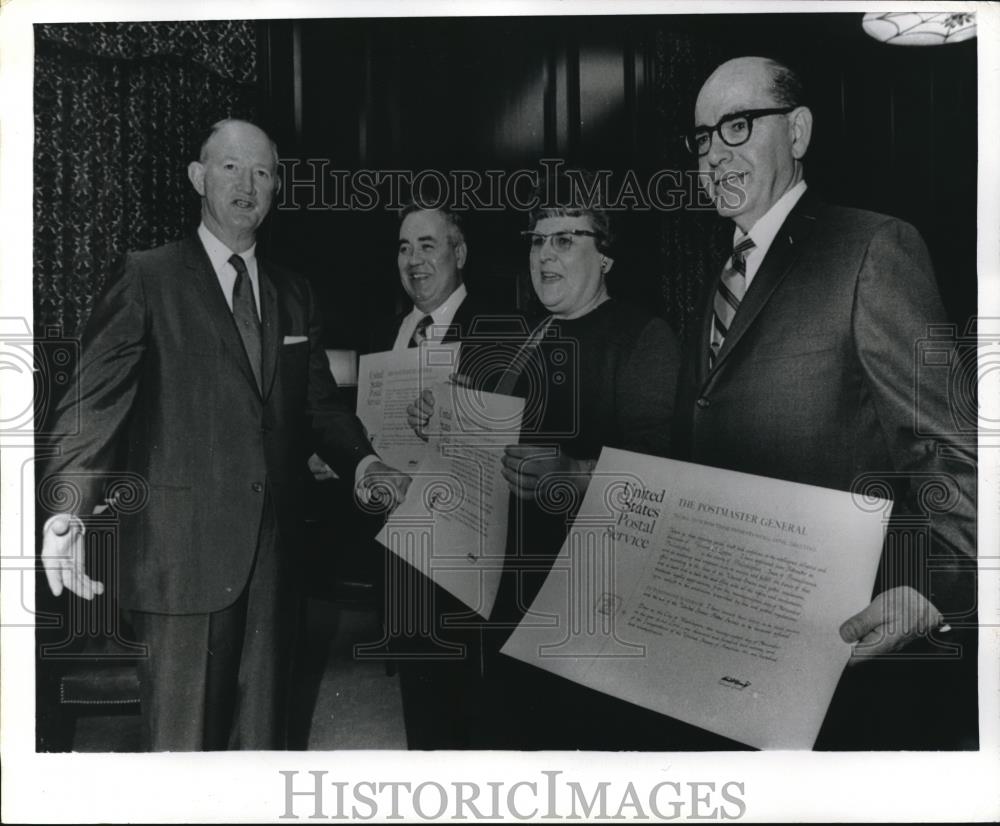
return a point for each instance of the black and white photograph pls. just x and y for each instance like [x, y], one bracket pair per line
[500, 411]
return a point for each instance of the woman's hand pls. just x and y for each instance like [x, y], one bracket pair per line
[528, 469]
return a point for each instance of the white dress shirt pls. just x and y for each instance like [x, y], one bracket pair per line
[219, 254]
[766, 228]
[440, 320]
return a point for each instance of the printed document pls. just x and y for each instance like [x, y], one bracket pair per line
[387, 383]
[452, 526]
[711, 596]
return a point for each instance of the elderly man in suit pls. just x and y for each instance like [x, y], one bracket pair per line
[437, 636]
[441, 644]
[433, 635]
[203, 373]
[431, 260]
[803, 368]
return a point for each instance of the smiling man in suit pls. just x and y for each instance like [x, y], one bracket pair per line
[431, 257]
[439, 644]
[803, 368]
[435, 637]
[203, 374]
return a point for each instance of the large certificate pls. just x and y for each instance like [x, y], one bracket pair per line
[711, 596]
[452, 526]
[387, 383]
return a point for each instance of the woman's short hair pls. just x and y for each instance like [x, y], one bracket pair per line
[578, 195]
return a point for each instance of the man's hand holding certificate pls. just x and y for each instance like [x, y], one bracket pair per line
[711, 596]
[453, 524]
[387, 383]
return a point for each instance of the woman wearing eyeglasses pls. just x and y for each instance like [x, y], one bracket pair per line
[599, 372]
[616, 386]
[594, 372]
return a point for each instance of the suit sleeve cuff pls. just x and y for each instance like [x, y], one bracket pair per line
[363, 465]
[945, 578]
[74, 523]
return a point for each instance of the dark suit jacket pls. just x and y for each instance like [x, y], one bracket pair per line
[818, 381]
[439, 665]
[167, 395]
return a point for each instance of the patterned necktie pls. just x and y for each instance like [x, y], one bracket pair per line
[245, 315]
[420, 333]
[732, 288]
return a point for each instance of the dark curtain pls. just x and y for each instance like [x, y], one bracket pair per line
[119, 108]
[691, 241]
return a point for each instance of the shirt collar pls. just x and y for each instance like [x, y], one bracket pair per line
[219, 253]
[442, 316]
[770, 222]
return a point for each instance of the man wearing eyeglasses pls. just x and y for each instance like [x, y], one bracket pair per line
[803, 368]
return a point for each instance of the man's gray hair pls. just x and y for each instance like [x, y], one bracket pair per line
[787, 88]
[456, 234]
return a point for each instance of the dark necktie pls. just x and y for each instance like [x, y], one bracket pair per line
[420, 333]
[245, 315]
[732, 288]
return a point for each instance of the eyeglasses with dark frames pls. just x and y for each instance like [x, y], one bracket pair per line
[734, 129]
[562, 241]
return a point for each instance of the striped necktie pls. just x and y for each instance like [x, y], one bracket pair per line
[420, 332]
[245, 315]
[732, 288]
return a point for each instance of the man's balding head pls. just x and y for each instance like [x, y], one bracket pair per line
[745, 181]
[236, 177]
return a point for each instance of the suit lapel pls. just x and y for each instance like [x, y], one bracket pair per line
[461, 321]
[270, 328]
[781, 257]
[392, 330]
[213, 302]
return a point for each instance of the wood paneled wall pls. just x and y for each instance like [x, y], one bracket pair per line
[895, 132]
